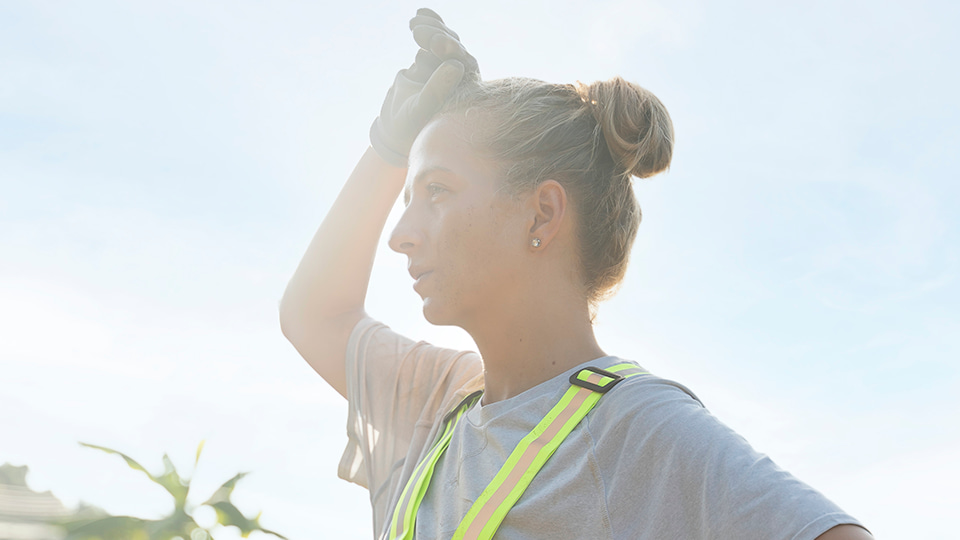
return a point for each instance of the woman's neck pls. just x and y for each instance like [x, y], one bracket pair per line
[528, 343]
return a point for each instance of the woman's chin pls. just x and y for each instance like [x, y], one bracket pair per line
[436, 314]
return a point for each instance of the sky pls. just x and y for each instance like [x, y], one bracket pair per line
[164, 165]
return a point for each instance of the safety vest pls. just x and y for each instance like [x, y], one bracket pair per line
[531, 453]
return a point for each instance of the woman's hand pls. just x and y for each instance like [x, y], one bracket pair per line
[419, 91]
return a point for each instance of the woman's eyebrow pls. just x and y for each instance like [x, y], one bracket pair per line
[419, 179]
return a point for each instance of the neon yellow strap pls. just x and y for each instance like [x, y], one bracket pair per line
[531, 454]
[404, 516]
[488, 511]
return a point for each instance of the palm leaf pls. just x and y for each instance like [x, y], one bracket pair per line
[170, 480]
[130, 461]
[199, 450]
[177, 524]
[229, 515]
[225, 490]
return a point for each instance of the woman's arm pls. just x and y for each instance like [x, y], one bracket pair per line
[324, 299]
[846, 532]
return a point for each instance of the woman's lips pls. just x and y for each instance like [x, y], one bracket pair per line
[420, 279]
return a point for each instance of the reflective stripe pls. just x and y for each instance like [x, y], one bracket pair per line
[627, 369]
[527, 458]
[404, 516]
[530, 455]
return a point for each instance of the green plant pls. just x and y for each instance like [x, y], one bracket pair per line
[180, 523]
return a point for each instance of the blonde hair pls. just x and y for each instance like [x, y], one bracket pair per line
[590, 138]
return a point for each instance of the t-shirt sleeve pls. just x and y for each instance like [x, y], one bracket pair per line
[396, 387]
[696, 478]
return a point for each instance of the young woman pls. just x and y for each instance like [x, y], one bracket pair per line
[519, 219]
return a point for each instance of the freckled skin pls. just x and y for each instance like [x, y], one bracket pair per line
[468, 236]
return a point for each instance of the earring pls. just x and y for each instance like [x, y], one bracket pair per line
[535, 243]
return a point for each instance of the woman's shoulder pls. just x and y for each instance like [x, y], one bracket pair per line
[655, 432]
[385, 369]
[648, 388]
[646, 407]
[642, 389]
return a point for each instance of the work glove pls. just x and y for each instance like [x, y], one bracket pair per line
[419, 91]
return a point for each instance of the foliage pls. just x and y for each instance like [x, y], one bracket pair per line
[180, 523]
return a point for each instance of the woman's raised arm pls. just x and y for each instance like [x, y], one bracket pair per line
[325, 297]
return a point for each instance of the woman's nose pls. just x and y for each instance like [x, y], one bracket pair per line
[404, 237]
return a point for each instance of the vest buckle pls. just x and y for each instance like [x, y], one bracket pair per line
[602, 388]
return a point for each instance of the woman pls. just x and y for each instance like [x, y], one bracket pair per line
[519, 219]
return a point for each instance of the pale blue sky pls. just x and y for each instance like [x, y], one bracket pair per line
[163, 166]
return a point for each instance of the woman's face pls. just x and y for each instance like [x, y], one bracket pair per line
[464, 242]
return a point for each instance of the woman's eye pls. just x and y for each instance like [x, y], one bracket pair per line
[435, 190]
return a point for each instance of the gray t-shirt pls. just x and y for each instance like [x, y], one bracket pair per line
[648, 462]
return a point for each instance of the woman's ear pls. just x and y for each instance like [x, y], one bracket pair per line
[549, 205]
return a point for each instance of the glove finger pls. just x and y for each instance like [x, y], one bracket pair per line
[445, 47]
[424, 66]
[438, 42]
[429, 21]
[437, 89]
[429, 13]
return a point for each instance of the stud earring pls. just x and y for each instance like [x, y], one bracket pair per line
[535, 243]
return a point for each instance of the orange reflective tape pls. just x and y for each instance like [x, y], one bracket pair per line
[523, 465]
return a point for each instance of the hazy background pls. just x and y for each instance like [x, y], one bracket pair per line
[163, 167]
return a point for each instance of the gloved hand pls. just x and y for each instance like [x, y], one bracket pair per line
[419, 91]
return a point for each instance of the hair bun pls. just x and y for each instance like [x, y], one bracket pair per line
[635, 125]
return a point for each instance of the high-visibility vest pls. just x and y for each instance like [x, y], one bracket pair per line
[531, 453]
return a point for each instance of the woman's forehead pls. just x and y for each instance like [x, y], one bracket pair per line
[443, 136]
[443, 145]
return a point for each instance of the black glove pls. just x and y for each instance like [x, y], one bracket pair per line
[419, 91]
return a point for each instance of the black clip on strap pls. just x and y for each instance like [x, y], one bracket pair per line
[465, 403]
[575, 380]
